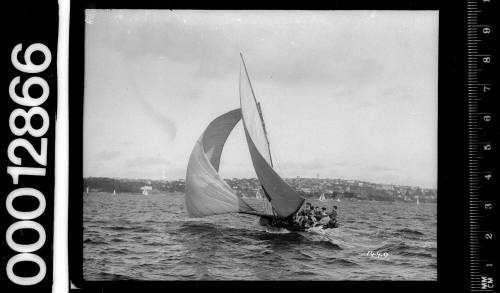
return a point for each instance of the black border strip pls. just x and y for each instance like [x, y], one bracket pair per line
[28, 22]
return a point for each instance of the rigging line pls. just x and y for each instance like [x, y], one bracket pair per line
[272, 154]
[275, 155]
[277, 158]
[265, 132]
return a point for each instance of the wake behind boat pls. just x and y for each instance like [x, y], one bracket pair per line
[275, 202]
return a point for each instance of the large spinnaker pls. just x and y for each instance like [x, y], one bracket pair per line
[206, 193]
[284, 199]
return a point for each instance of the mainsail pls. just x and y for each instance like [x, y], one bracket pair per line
[283, 198]
[206, 193]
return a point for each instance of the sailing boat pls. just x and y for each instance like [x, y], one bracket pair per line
[208, 194]
[145, 189]
[322, 197]
[258, 195]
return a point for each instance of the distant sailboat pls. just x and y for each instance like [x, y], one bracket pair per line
[258, 195]
[114, 192]
[208, 194]
[322, 197]
[145, 189]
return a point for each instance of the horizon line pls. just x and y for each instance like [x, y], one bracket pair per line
[183, 179]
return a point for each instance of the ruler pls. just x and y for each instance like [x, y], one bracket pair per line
[482, 144]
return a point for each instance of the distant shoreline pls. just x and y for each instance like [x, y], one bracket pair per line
[336, 189]
[168, 193]
[254, 178]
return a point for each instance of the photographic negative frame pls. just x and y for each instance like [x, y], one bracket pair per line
[451, 173]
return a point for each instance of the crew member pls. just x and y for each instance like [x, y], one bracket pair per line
[332, 223]
[317, 214]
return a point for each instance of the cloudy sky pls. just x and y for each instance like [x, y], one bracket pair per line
[344, 94]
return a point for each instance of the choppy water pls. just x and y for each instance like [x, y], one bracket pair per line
[150, 238]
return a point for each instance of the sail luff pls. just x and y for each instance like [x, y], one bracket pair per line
[257, 127]
[259, 110]
[248, 78]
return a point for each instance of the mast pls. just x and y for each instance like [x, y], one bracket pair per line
[258, 109]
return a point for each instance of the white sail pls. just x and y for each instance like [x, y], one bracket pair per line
[252, 115]
[283, 198]
[206, 193]
[145, 189]
[322, 197]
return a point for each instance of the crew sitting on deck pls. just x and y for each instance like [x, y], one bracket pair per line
[324, 218]
[332, 223]
[302, 218]
[334, 212]
[312, 216]
[324, 221]
[304, 214]
[323, 212]
[317, 214]
[308, 208]
[308, 217]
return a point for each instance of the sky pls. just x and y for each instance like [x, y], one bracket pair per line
[344, 94]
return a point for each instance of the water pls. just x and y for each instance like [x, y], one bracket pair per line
[136, 237]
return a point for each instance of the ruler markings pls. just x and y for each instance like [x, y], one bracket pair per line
[475, 61]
